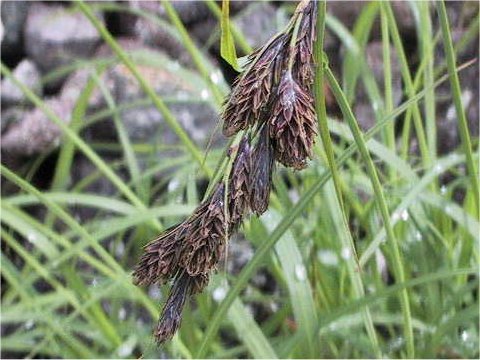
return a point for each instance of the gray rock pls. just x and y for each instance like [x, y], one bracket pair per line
[155, 35]
[257, 21]
[13, 14]
[145, 123]
[347, 12]
[56, 36]
[36, 133]
[11, 116]
[27, 73]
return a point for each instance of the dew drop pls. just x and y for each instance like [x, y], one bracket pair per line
[300, 272]
[120, 249]
[125, 349]
[31, 237]
[215, 77]
[327, 257]
[154, 292]
[395, 217]
[29, 324]
[443, 190]
[219, 293]
[346, 253]
[204, 94]
[404, 215]
[418, 236]
[122, 314]
[94, 282]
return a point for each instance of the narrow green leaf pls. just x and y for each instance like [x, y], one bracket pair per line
[227, 45]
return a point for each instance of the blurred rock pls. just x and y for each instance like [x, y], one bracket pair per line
[363, 109]
[144, 123]
[152, 34]
[188, 11]
[56, 36]
[257, 21]
[13, 14]
[347, 12]
[27, 73]
[36, 133]
[11, 116]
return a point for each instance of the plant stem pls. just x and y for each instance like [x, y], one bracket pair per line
[327, 144]
[382, 205]
[456, 92]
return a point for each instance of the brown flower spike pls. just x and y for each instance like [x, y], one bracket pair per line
[293, 123]
[272, 102]
[251, 92]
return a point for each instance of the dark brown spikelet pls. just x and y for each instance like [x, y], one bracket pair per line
[261, 174]
[238, 200]
[303, 64]
[252, 90]
[293, 123]
[206, 234]
[160, 260]
[171, 317]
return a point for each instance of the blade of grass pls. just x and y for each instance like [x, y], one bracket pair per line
[227, 45]
[381, 203]
[456, 93]
[325, 136]
[299, 288]
[286, 222]
[407, 78]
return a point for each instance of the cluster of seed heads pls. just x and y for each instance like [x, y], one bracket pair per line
[272, 104]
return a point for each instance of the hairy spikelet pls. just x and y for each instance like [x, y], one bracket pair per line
[171, 316]
[205, 238]
[273, 103]
[260, 179]
[303, 64]
[293, 123]
[251, 92]
[160, 259]
[238, 200]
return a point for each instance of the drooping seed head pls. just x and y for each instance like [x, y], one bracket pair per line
[171, 316]
[238, 199]
[260, 178]
[251, 92]
[293, 123]
[206, 235]
[160, 260]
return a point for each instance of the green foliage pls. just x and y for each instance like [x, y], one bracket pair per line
[364, 204]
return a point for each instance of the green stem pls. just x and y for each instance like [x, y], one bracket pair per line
[293, 41]
[382, 205]
[387, 75]
[407, 78]
[456, 92]
[321, 110]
